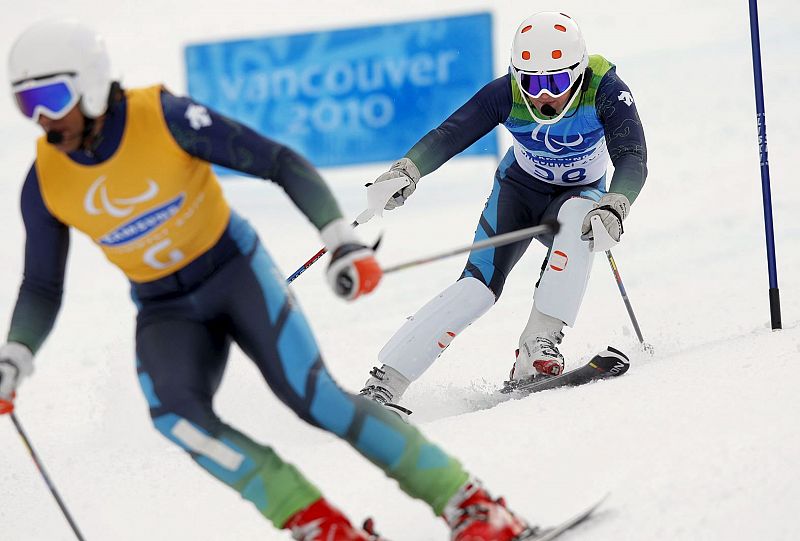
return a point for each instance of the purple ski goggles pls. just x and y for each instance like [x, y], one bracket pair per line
[555, 84]
[53, 97]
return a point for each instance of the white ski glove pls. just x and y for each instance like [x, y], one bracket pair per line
[353, 270]
[405, 169]
[16, 362]
[612, 209]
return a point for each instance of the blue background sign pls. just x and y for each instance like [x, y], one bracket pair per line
[349, 96]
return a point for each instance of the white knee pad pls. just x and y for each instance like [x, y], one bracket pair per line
[426, 334]
[566, 274]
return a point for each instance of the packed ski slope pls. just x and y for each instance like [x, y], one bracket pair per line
[698, 442]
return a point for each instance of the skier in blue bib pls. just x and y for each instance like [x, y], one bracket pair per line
[569, 115]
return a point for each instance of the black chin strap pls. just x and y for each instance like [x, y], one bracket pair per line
[587, 79]
[86, 135]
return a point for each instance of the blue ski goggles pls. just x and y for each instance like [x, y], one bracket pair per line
[535, 84]
[53, 97]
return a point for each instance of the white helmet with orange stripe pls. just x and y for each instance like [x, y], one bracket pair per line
[549, 56]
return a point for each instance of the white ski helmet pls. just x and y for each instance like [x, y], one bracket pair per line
[548, 44]
[64, 47]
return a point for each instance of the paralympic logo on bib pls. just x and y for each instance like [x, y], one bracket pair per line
[117, 207]
[555, 145]
[144, 223]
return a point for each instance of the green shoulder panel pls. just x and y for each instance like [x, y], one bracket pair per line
[600, 66]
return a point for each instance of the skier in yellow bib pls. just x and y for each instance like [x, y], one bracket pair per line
[131, 169]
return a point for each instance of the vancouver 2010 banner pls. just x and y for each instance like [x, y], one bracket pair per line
[348, 96]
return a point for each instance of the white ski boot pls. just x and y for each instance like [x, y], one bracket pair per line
[538, 357]
[538, 354]
[385, 386]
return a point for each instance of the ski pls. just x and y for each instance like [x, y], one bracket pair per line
[555, 532]
[607, 364]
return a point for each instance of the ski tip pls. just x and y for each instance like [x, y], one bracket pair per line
[550, 534]
[610, 362]
[602, 500]
[614, 351]
[592, 507]
[598, 503]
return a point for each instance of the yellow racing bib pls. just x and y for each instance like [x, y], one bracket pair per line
[152, 208]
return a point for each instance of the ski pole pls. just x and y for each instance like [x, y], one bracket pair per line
[46, 477]
[647, 347]
[492, 242]
[316, 257]
[377, 198]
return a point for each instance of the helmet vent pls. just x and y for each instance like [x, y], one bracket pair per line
[560, 28]
[526, 55]
[556, 54]
[526, 29]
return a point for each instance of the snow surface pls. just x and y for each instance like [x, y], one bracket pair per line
[699, 442]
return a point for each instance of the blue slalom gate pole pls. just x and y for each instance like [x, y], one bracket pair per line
[761, 119]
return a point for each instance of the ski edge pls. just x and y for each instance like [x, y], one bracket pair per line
[571, 522]
[554, 382]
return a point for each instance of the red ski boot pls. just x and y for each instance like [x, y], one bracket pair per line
[474, 516]
[322, 522]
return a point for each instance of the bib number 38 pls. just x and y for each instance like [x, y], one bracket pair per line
[570, 176]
